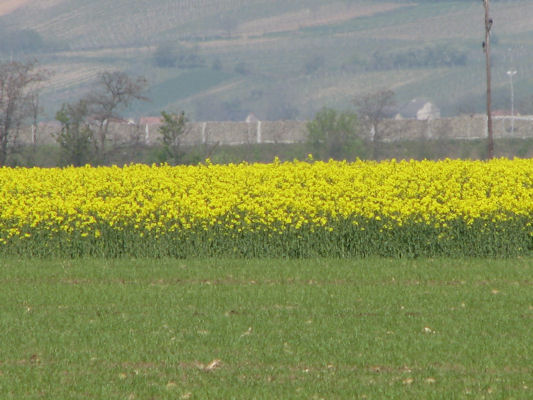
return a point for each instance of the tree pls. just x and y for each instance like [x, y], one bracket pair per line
[21, 41]
[76, 139]
[115, 92]
[170, 55]
[165, 56]
[242, 68]
[217, 64]
[313, 64]
[420, 57]
[172, 130]
[372, 108]
[19, 86]
[334, 134]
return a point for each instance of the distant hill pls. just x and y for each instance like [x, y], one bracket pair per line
[221, 59]
[102, 23]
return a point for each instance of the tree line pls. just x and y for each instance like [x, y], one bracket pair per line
[84, 132]
[84, 135]
[84, 125]
[15, 42]
[423, 57]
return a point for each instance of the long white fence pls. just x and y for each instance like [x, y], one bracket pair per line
[469, 127]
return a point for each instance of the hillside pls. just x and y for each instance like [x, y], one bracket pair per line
[279, 59]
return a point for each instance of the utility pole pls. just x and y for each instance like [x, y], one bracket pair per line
[486, 49]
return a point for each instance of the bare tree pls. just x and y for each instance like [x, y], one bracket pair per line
[34, 110]
[486, 49]
[115, 92]
[372, 109]
[19, 85]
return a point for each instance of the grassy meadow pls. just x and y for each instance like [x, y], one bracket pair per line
[49, 155]
[302, 329]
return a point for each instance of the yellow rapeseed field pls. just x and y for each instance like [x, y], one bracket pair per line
[263, 199]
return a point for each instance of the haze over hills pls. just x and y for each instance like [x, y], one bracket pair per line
[221, 59]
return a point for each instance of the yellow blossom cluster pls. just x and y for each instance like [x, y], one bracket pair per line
[271, 197]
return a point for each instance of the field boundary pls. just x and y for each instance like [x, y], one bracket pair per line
[471, 127]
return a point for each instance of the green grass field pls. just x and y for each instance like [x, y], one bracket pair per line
[202, 329]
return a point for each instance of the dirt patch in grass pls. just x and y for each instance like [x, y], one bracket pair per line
[458, 24]
[68, 74]
[304, 18]
[216, 90]
[8, 6]
[252, 32]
